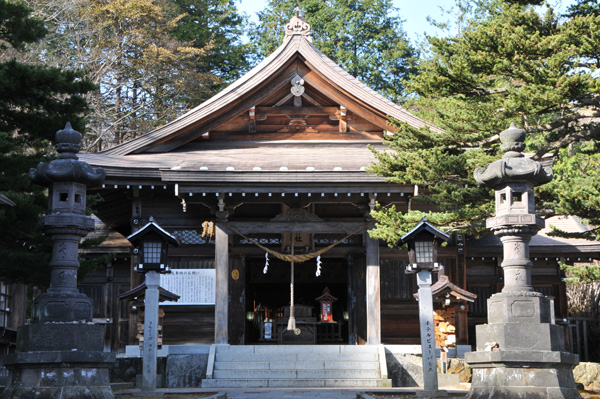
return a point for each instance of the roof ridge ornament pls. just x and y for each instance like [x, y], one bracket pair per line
[297, 26]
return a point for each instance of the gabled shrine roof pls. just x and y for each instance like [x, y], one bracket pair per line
[272, 74]
[444, 288]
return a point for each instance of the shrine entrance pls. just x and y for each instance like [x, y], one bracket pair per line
[268, 302]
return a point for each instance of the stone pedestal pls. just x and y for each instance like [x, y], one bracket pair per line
[59, 360]
[522, 374]
[521, 353]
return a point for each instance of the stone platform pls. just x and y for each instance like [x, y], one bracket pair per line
[522, 374]
[59, 360]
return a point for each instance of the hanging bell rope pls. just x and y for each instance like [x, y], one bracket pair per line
[292, 321]
[302, 257]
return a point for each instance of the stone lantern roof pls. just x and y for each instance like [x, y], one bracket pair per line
[513, 167]
[68, 167]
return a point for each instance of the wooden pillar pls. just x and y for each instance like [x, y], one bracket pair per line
[373, 296]
[357, 294]
[222, 284]
[237, 306]
[462, 324]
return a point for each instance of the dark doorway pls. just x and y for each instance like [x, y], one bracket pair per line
[268, 299]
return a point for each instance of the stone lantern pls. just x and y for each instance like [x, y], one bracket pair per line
[67, 179]
[520, 352]
[60, 354]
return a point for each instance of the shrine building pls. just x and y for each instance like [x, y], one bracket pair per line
[274, 165]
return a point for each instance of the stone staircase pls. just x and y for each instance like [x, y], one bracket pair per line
[291, 366]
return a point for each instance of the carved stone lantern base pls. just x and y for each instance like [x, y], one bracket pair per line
[62, 307]
[522, 374]
[521, 352]
[59, 360]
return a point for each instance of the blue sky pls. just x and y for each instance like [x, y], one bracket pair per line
[414, 12]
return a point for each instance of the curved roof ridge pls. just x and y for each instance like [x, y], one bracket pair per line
[191, 115]
[400, 113]
[296, 44]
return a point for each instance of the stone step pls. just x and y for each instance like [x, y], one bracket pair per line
[295, 383]
[296, 366]
[296, 349]
[295, 357]
[278, 365]
[296, 374]
[448, 380]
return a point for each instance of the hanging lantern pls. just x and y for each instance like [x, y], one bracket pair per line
[152, 243]
[422, 244]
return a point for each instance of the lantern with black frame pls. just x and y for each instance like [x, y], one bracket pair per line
[422, 244]
[151, 247]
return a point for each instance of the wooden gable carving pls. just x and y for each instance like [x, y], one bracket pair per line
[296, 93]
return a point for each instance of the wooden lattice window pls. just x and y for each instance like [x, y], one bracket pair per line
[4, 304]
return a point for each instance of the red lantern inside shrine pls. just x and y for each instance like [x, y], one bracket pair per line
[326, 300]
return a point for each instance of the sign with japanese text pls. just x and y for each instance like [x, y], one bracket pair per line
[194, 286]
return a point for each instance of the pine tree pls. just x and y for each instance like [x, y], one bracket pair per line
[217, 26]
[364, 37]
[129, 48]
[514, 62]
[35, 102]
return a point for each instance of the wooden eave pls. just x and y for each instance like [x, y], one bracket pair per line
[444, 286]
[139, 292]
[296, 56]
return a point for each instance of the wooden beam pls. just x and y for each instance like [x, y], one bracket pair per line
[252, 120]
[283, 100]
[311, 100]
[294, 227]
[343, 127]
[297, 110]
[361, 109]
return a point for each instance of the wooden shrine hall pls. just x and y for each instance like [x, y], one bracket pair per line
[277, 159]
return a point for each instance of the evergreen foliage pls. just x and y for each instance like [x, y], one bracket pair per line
[35, 102]
[364, 37]
[512, 62]
[216, 23]
[152, 59]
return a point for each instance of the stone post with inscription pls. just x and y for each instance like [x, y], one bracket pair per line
[422, 244]
[520, 352]
[60, 354]
[430, 377]
[150, 331]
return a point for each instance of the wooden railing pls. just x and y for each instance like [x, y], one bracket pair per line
[576, 334]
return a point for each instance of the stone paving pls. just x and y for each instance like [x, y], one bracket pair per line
[272, 393]
[292, 394]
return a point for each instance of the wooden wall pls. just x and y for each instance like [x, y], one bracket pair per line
[188, 324]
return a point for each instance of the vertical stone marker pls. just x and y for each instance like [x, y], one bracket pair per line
[151, 248]
[422, 244]
[150, 331]
[520, 352]
[60, 354]
[430, 377]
